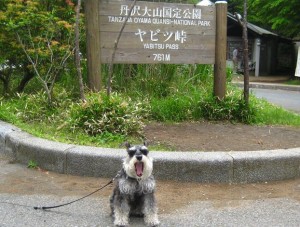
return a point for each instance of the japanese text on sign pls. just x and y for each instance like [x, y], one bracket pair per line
[164, 12]
[156, 32]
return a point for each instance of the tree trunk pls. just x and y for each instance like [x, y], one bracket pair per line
[246, 58]
[26, 78]
[5, 81]
[77, 52]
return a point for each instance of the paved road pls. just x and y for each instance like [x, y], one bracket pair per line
[289, 100]
[180, 204]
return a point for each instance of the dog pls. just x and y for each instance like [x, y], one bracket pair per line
[133, 194]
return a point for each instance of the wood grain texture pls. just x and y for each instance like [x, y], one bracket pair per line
[183, 33]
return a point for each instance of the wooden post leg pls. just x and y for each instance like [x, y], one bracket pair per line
[93, 44]
[221, 43]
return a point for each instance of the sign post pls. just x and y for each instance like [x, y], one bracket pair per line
[221, 42]
[93, 44]
[157, 32]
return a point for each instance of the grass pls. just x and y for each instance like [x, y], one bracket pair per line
[32, 164]
[54, 128]
[293, 82]
[269, 114]
[161, 93]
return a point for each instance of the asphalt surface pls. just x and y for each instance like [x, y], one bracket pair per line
[287, 99]
[180, 204]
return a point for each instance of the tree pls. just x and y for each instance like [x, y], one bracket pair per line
[282, 16]
[38, 34]
[38, 31]
[278, 15]
[9, 52]
[243, 23]
[77, 51]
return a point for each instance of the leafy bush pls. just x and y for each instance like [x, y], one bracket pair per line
[171, 109]
[175, 108]
[232, 107]
[143, 80]
[103, 114]
[35, 107]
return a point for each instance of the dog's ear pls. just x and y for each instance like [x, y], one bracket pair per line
[127, 144]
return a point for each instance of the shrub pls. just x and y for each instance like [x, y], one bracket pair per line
[103, 114]
[171, 109]
[232, 108]
[35, 107]
[176, 108]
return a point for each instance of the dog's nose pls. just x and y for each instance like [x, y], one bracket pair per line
[139, 157]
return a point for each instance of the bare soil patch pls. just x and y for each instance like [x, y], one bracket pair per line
[222, 136]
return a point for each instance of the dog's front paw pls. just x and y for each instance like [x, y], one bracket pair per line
[121, 223]
[154, 224]
[152, 221]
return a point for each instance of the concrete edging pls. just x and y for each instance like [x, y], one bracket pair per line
[208, 167]
[269, 86]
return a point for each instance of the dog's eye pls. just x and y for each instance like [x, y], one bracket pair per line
[131, 152]
[144, 151]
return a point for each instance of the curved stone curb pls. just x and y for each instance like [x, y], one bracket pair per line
[269, 86]
[209, 167]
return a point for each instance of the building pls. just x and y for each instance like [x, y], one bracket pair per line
[269, 54]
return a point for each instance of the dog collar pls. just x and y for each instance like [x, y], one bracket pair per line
[123, 172]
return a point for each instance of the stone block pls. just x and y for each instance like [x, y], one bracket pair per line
[47, 154]
[260, 166]
[213, 167]
[95, 162]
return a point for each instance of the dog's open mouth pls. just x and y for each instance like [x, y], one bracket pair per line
[139, 167]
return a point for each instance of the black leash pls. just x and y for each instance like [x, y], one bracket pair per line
[65, 204]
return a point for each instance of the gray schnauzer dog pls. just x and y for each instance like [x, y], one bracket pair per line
[133, 194]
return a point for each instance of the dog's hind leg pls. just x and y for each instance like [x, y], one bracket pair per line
[150, 210]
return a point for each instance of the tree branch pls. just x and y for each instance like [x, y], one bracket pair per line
[110, 68]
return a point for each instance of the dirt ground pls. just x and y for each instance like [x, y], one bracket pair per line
[220, 136]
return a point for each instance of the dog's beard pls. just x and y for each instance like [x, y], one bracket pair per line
[138, 169]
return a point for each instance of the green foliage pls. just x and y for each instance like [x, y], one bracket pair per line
[43, 32]
[34, 107]
[172, 108]
[110, 115]
[176, 108]
[37, 36]
[232, 108]
[31, 113]
[293, 82]
[278, 15]
[70, 122]
[196, 74]
[201, 104]
[32, 164]
[143, 80]
[281, 15]
[269, 114]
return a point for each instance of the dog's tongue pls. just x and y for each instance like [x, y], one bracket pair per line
[139, 169]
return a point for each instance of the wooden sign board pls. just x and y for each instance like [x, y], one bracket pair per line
[157, 32]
